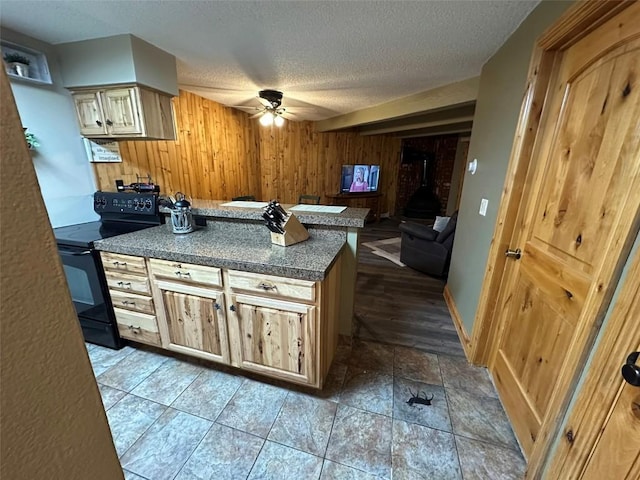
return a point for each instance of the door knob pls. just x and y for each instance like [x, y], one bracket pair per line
[631, 371]
[517, 253]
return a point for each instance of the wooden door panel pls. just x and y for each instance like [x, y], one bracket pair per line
[192, 322]
[89, 113]
[583, 190]
[563, 287]
[535, 343]
[590, 164]
[122, 111]
[275, 338]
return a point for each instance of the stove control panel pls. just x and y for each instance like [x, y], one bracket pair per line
[130, 203]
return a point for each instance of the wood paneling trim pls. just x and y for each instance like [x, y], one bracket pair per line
[621, 334]
[457, 322]
[578, 21]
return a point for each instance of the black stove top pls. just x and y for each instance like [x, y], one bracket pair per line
[119, 213]
[84, 234]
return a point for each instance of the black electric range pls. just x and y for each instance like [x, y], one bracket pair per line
[120, 213]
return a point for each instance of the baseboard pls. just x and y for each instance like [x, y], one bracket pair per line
[457, 322]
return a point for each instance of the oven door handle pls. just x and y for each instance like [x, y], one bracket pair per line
[73, 253]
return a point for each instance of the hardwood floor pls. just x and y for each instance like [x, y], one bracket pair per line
[399, 305]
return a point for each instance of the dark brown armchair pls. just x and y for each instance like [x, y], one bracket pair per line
[427, 250]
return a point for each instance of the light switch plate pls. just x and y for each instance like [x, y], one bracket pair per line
[484, 203]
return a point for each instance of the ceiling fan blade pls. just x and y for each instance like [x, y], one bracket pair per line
[259, 114]
[264, 102]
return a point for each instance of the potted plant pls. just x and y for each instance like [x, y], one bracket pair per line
[17, 64]
[32, 141]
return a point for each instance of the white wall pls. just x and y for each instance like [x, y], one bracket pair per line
[64, 174]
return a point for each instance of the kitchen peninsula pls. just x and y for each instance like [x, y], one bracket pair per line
[226, 293]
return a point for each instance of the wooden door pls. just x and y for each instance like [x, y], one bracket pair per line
[122, 111]
[617, 453]
[576, 220]
[194, 321]
[276, 337]
[89, 113]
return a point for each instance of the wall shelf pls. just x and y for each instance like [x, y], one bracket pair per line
[38, 69]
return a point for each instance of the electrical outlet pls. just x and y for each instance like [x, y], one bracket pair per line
[484, 203]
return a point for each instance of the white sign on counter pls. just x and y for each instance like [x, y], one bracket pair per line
[102, 150]
[318, 208]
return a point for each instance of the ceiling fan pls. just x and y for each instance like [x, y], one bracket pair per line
[271, 112]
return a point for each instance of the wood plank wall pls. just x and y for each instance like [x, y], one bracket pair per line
[221, 153]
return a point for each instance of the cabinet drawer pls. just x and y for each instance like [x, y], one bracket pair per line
[272, 286]
[136, 326]
[123, 263]
[126, 282]
[131, 301]
[185, 272]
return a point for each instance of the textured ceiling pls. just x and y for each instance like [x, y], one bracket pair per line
[328, 57]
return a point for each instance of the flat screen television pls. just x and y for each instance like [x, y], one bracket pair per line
[359, 178]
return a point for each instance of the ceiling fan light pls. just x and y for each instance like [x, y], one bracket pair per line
[279, 121]
[266, 119]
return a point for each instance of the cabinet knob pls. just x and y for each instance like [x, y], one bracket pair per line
[109, 122]
[232, 308]
[216, 306]
[99, 123]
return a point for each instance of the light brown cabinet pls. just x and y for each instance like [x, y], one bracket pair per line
[124, 112]
[130, 293]
[279, 327]
[192, 320]
[275, 337]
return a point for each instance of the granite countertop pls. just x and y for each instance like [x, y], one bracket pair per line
[233, 245]
[350, 217]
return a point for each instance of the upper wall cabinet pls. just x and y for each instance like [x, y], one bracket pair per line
[22, 63]
[132, 112]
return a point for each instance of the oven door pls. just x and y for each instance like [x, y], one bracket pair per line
[89, 293]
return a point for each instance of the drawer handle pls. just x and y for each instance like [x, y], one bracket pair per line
[183, 274]
[119, 264]
[266, 286]
[177, 265]
[127, 302]
[124, 284]
[135, 330]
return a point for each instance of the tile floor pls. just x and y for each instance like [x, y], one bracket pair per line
[173, 419]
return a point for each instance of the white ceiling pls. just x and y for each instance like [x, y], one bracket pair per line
[328, 57]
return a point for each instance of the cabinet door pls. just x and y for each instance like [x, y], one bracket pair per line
[195, 322]
[276, 338]
[89, 112]
[122, 111]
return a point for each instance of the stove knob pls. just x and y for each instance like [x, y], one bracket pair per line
[148, 204]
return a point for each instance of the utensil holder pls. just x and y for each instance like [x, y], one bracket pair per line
[294, 232]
